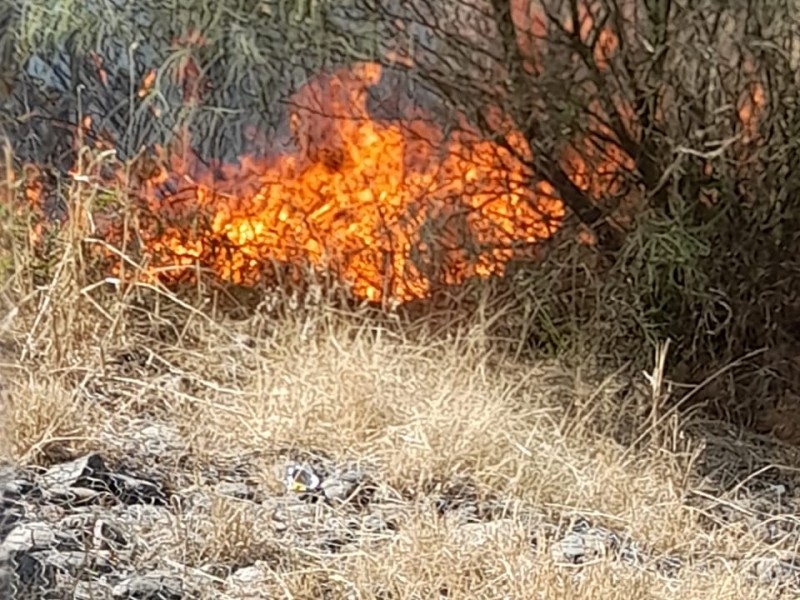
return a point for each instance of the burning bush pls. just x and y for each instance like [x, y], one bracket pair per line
[406, 146]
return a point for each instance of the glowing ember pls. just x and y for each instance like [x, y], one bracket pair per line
[390, 206]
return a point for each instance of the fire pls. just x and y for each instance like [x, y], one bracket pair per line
[392, 206]
[751, 108]
[532, 23]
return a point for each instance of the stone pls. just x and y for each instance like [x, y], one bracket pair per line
[338, 488]
[145, 441]
[246, 576]
[107, 536]
[33, 574]
[16, 489]
[91, 590]
[100, 533]
[72, 496]
[302, 479]
[11, 513]
[87, 472]
[30, 537]
[8, 473]
[773, 570]
[137, 490]
[158, 585]
[80, 564]
[7, 581]
[159, 439]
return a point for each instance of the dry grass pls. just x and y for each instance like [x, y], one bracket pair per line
[420, 413]
[94, 367]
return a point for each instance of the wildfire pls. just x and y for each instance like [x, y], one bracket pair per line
[392, 207]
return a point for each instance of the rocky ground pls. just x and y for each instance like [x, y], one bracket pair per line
[88, 529]
[327, 457]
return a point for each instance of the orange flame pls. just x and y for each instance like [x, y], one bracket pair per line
[394, 207]
[391, 206]
[147, 84]
[532, 24]
[751, 108]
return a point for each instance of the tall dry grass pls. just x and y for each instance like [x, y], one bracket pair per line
[89, 363]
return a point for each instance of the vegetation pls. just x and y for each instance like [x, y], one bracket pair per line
[669, 132]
